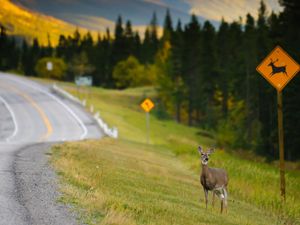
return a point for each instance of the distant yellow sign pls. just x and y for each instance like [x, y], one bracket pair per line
[147, 105]
[278, 68]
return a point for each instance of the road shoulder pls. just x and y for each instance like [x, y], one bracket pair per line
[37, 186]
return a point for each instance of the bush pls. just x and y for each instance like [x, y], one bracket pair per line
[130, 73]
[58, 70]
[231, 131]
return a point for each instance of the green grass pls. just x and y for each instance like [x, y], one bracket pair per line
[126, 181]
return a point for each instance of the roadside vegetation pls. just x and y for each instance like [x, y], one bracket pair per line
[127, 181]
[205, 75]
[207, 93]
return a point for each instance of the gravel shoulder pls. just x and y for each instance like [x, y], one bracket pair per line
[37, 186]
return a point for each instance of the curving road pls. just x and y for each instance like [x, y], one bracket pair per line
[32, 117]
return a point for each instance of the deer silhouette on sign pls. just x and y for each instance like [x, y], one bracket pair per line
[277, 69]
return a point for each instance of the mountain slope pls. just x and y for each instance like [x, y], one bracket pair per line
[20, 21]
[80, 12]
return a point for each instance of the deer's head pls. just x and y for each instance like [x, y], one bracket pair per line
[272, 62]
[205, 155]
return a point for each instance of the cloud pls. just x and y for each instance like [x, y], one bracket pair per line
[156, 2]
[92, 22]
[100, 24]
[229, 9]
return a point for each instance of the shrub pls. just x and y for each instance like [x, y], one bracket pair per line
[59, 68]
[130, 73]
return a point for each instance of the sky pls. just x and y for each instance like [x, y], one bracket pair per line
[99, 14]
[229, 9]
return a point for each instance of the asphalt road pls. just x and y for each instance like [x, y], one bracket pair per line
[32, 118]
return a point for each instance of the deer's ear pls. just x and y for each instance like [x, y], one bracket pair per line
[200, 150]
[210, 151]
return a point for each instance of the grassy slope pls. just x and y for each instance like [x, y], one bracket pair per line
[22, 22]
[125, 181]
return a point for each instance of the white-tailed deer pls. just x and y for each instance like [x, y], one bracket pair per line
[277, 69]
[213, 179]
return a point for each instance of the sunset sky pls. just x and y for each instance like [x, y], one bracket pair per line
[98, 14]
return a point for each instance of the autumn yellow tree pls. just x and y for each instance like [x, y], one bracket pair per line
[170, 85]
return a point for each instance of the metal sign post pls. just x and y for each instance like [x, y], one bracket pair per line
[278, 68]
[147, 125]
[147, 105]
[281, 144]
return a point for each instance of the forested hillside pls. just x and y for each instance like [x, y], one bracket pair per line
[205, 76]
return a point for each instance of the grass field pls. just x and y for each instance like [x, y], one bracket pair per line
[127, 181]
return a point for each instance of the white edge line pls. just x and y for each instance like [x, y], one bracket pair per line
[16, 129]
[72, 113]
[84, 133]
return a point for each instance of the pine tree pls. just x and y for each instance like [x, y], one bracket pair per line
[49, 48]
[266, 104]
[250, 83]
[106, 56]
[33, 56]
[191, 64]
[137, 46]
[179, 93]
[154, 42]
[223, 52]
[129, 39]
[150, 44]
[61, 47]
[101, 61]
[208, 75]
[168, 27]
[119, 51]
[13, 54]
[290, 40]
[9, 53]
[146, 48]
[75, 43]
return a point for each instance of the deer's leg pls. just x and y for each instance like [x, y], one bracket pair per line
[225, 198]
[213, 198]
[206, 196]
[222, 204]
[221, 194]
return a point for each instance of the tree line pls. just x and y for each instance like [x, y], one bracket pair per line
[204, 76]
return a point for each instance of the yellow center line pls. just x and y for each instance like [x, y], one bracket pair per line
[38, 109]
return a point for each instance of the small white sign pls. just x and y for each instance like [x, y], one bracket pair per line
[49, 66]
[84, 81]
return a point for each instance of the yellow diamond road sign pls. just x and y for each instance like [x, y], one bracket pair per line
[147, 105]
[278, 68]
